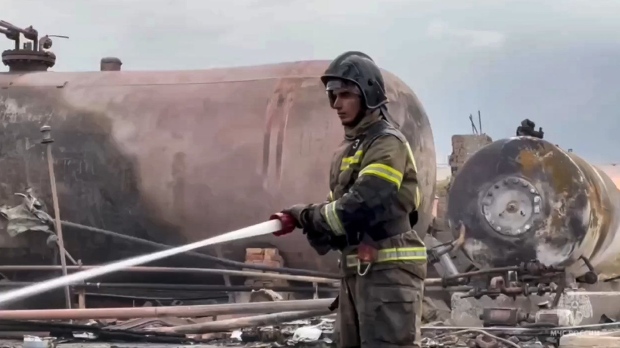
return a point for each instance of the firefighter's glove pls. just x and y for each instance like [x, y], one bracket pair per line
[432, 256]
[320, 242]
[321, 245]
[299, 213]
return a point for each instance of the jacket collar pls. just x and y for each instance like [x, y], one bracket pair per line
[365, 123]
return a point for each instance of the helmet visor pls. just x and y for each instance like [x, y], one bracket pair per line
[336, 87]
[340, 86]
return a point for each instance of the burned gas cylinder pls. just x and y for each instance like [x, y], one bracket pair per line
[524, 199]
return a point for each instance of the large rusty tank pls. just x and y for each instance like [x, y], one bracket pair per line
[179, 156]
[523, 199]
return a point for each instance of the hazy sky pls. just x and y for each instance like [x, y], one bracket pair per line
[552, 61]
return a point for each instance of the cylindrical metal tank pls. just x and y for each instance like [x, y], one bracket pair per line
[523, 199]
[179, 156]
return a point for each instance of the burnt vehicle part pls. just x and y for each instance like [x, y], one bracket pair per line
[523, 198]
[531, 278]
[504, 317]
[178, 156]
[498, 286]
[439, 253]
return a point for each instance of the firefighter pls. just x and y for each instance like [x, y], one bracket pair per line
[369, 213]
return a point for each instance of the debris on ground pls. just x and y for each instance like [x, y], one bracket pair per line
[299, 333]
[316, 333]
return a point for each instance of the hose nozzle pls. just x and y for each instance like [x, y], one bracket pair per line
[287, 221]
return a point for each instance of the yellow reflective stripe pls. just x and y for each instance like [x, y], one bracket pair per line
[384, 172]
[331, 196]
[347, 161]
[415, 167]
[401, 254]
[393, 254]
[329, 211]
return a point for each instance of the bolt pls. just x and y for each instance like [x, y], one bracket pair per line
[498, 229]
[536, 209]
[515, 180]
[518, 230]
[511, 207]
[527, 227]
[496, 186]
[524, 183]
[536, 199]
[532, 191]
[490, 194]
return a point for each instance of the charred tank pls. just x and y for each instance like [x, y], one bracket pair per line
[524, 199]
[179, 156]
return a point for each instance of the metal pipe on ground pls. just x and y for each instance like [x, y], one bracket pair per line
[199, 287]
[441, 281]
[146, 269]
[180, 287]
[213, 297]
[208, 287]
[224, 294]
[239, 323]
[172, 311]
[239, 288]
[236, 288]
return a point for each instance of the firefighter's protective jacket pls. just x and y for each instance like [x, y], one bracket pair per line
[374, 188]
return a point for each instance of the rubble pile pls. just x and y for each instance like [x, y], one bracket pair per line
[473, 338]
[317, 333]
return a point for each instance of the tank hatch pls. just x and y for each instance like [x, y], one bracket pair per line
[30, 53]
[110, 64]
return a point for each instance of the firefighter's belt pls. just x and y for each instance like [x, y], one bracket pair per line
[391, 255]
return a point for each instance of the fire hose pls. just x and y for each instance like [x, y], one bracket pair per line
[214, 259]
[35, 207]
[277, 224]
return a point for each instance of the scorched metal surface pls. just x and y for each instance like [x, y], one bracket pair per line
[178, 156]
[523, 198]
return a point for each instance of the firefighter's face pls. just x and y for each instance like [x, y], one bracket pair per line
[348, 106]
[346, 100]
